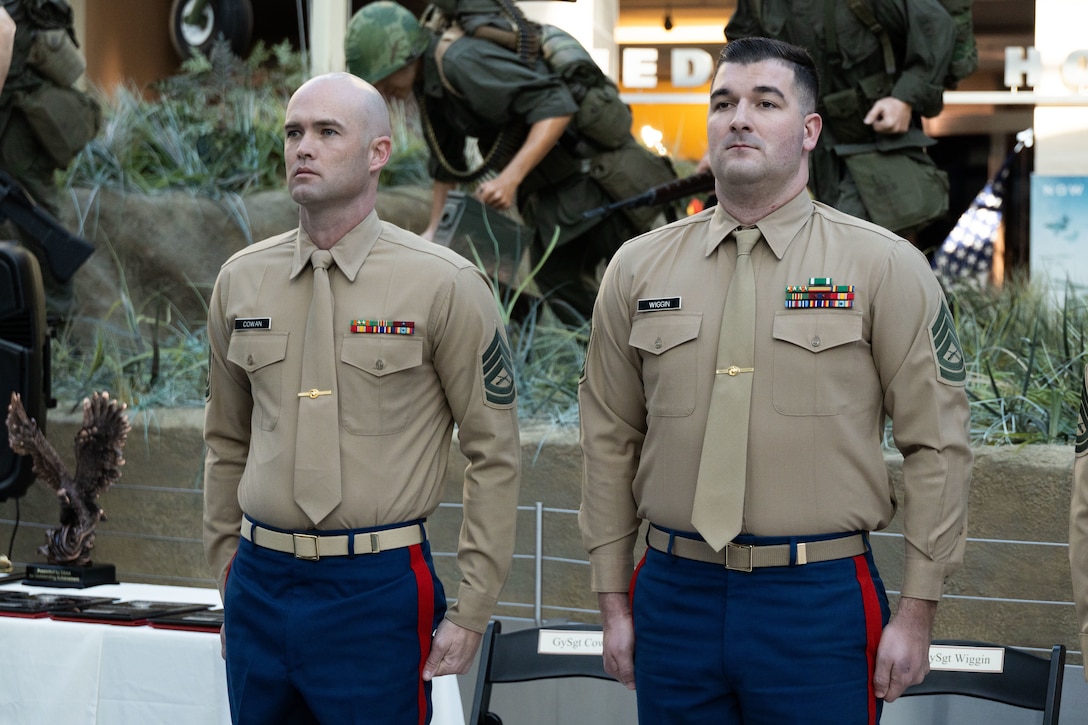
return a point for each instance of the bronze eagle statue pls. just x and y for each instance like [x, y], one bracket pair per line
[98, 447]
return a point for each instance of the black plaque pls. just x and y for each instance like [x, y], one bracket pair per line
[127, 613]
[25, 604]
[63, 575]
[14, 576]
[209, 620]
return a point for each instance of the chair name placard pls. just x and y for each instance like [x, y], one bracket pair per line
[966, 659]
[570, 642]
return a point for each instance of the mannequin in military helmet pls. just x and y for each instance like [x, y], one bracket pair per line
[524, 118]
[39, 63]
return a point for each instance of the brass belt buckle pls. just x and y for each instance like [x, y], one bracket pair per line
[295, 538]
[732, 551]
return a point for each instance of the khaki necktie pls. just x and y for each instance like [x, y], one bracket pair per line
[317, 447]
[719, 492]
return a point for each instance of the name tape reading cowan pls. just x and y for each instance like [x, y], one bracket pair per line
[569, 642]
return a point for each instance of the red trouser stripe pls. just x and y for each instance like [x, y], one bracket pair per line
[425, 623]
[631, 587]
[873, 623]
[226, 574]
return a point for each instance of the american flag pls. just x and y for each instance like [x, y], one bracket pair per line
[968, 250]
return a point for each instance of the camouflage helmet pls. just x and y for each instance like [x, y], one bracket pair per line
[382, 38]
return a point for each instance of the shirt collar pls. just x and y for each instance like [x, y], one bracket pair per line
[778, 228]
[349, 253]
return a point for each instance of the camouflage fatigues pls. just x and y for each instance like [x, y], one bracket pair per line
[850, 59]
[501, 95]
[22, 154]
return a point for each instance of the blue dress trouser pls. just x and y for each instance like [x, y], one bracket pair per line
[791, 645]
[337, 641]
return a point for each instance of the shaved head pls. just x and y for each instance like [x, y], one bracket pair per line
[337, 139]
[361, 98]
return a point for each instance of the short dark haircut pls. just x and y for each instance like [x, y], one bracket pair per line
[745, 51]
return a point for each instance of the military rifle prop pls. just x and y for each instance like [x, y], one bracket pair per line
[661, 194]
[64, 251]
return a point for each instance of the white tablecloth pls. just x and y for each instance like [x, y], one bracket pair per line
[71, 673]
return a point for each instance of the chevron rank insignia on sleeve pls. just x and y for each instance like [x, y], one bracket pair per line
[498, 373]
[951, 366]
[1082, 421]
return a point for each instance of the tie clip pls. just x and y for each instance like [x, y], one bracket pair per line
[313, 393]
[732, 370]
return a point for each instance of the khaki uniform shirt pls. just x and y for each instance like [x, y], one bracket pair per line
[1078, 524]
[824, 380]
[400, 396]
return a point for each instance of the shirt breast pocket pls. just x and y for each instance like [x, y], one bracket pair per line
[261, 355]
[668, 344]
[379, 378]
[818, 363]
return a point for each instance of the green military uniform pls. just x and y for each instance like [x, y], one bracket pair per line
[851, 61]
[22, 154]
[499, 94]
[402, 391]
[1078, 524]
[823, 381]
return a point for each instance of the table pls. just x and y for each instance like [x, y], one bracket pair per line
[72, 673]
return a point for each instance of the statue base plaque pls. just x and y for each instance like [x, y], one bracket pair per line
[76, 577]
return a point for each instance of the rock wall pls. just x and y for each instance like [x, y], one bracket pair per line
[170, 246]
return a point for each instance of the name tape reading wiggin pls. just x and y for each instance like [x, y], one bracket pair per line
[658, 304]
[962, 658]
